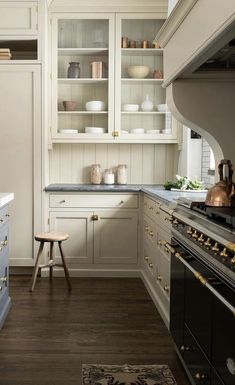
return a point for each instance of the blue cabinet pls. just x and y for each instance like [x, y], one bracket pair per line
[5, 301]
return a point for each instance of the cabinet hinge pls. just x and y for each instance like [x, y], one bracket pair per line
[48, 221]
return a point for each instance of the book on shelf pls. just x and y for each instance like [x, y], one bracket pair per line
[5, 50]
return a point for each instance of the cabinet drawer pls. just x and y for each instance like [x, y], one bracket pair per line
[18, 17]
[121, 201]
[151, 207]
[150, 230]
[4, 215]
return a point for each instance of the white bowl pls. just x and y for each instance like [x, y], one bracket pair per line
[137, 131]
[67, 131]
[152, 131]
[124, 132]
[162, 107]
[94, 130]
[137, 72]
[130, 107]
[95, 105]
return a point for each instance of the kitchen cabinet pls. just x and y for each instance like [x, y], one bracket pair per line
[20, 155]
[102, 228]
[156, 258]
[85, 38]
[18, 18]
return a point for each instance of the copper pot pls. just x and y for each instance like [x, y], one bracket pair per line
[222, 193]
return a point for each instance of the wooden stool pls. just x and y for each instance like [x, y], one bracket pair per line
[50, 237]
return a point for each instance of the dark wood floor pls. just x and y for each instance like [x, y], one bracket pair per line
[49, 334]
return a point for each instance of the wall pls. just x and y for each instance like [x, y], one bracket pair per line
[147, 163]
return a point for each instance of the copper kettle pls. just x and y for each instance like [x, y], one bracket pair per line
[222, 194]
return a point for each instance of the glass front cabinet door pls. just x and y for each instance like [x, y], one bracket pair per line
[82, 77]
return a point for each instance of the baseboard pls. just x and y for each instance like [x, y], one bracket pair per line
[129, 273]
[5, 311]
[156, 300]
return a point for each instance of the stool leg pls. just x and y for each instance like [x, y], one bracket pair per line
[66, 272]
[36, 267]
[51, 259]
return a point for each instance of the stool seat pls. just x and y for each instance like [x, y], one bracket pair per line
[51, 237]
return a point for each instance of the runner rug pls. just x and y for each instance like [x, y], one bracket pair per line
[127, 375]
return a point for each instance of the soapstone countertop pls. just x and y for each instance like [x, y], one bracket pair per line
[5, 198]
[156, 191]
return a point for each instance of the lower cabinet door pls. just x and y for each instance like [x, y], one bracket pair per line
[79, 225]
[116, 237]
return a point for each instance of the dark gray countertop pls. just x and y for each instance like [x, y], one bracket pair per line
[156, 191]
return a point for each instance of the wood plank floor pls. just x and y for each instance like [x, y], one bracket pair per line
[49, 334]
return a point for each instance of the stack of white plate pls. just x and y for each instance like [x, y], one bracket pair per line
[67, 131]
[130, 107]
[152, 131]
[95, 105]
[137, 131]
[94, 130]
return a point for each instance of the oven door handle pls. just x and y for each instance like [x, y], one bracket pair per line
[205, 283]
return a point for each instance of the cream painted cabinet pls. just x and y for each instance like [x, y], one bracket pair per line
[102, 228]
[79, 225]
[116, 237]
[20, 155]
[18, 18]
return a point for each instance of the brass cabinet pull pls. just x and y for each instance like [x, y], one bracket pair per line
[166, 288]
[151, 233]
[151, 265]
[146, 228]
[95, 217]
[63, 201]
[146, 258]
[150, 207]
[7, 215]
[160, 278]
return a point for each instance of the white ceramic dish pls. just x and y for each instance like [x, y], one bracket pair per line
[69, 131]
[152, 131]
[189, 191]
[124, 132]
[130, 107]
[95, 105]
[94, 130]
[162, 107]
[137, 131]
[137, 72]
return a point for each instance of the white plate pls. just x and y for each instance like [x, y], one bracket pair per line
[190, 191]
[68, 131]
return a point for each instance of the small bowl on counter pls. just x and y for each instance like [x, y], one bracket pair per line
[130, 107]
[137, 72]
[95, 105]
[94, 130]
[137, 131]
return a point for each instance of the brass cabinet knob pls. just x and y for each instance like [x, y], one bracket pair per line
[146, 258]
[3, 279]
[224, 253]
[157, 212]
[190, 231]
[160, 278]
[63, 201]
[166, 288]
[200, 376]
[7, 215]
[208, 243]
[146, 228]
[95, 217]
[150, 207]
[201, 239]
[215, 248]
[151, 265]
[195, 235]
[151, 233]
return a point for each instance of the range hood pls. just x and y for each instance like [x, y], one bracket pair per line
[199, 69]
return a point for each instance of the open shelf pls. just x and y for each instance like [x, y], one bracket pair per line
[82, 51]
[143, 113]
[22, 50]
[83, 112]
[142, 81]
[81, 81]
[142, 51]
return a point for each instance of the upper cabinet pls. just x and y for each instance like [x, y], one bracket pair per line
[82, 72]
[18, 17]
[106, 79]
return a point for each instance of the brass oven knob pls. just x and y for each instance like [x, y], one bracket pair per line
[201, 239]
[146, 258]
[190, 231]
[195, 234]
[215, 248]
[208, 243]
[175, 222]
[224, 253]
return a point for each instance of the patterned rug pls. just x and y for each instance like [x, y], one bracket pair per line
[127, 375]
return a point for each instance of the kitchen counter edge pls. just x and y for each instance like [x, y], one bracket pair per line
[6, 198]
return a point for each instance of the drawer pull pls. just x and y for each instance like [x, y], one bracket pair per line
[7, 215]
[150, 207]
[166, 288]
[168, 219]
[146, 258]
[1, 220]
[151, 233]
[63, 201]
[200, 376]
[146, 228]
[151, 265]
[158, 212]
[95, 217]
[3, 279]
[159, 278]
[121, 202]
[1, 288]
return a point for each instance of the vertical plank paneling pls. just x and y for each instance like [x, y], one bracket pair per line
[77, 163]
[170, 162]
[136, 175]
[88, 160]
[160, 163]
[125, 158]
[54, 160]
[101, 155]
[113, 155]
[66, 163]
[148, 164]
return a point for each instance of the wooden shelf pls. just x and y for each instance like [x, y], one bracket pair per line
[143, 113]
[82, 51]
[141, 81]
[81, 81]
[82, 112]
[142, 51]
